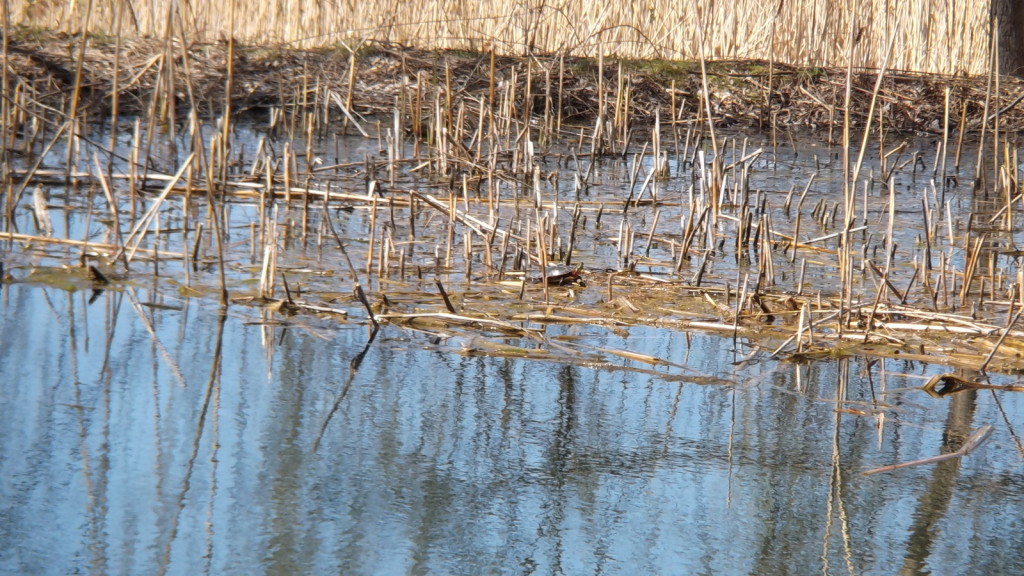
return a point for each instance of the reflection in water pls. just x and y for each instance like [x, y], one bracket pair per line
[140, 434]
[211, 394]
[934, 501]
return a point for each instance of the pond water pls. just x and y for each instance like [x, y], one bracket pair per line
[146, 430]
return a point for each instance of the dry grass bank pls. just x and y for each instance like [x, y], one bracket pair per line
[943, 36]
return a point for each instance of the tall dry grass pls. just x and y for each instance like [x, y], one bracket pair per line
[941, 36]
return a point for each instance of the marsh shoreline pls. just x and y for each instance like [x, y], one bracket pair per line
[759, 94]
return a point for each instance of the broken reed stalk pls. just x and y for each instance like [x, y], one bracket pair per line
[970, 267]
[357, 289]
[444, 296]
[112, 204]
[889, 245]
[90, 246]
[370, 241]
[115, 86]
[229, 83]
[736, 317]
[361, 296]
[1002, 337]
[142, 226]
[850, 186]
[41, 212]
[993, 49]
[845, 254]
[542, 256]
[977, 439]
[76, 92]
[945, 143]
[32, 172]
[705, 91]
[996, 96]
[268, 269]
[6, 133]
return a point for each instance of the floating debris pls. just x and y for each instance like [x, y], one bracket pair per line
[977, 439]
[942, 385]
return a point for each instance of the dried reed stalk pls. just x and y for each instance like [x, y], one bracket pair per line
[946, 37]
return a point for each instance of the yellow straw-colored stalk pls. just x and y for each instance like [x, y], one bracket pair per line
[941, 36]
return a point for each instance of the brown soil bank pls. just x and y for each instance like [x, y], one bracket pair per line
[377, 77]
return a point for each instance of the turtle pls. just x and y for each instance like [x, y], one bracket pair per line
[559, 275]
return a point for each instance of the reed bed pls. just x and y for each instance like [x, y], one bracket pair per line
[369, 80]
[945, 37]
[482, 170]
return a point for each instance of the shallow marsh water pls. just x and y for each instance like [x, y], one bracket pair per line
[143, 432]
[125, 451]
